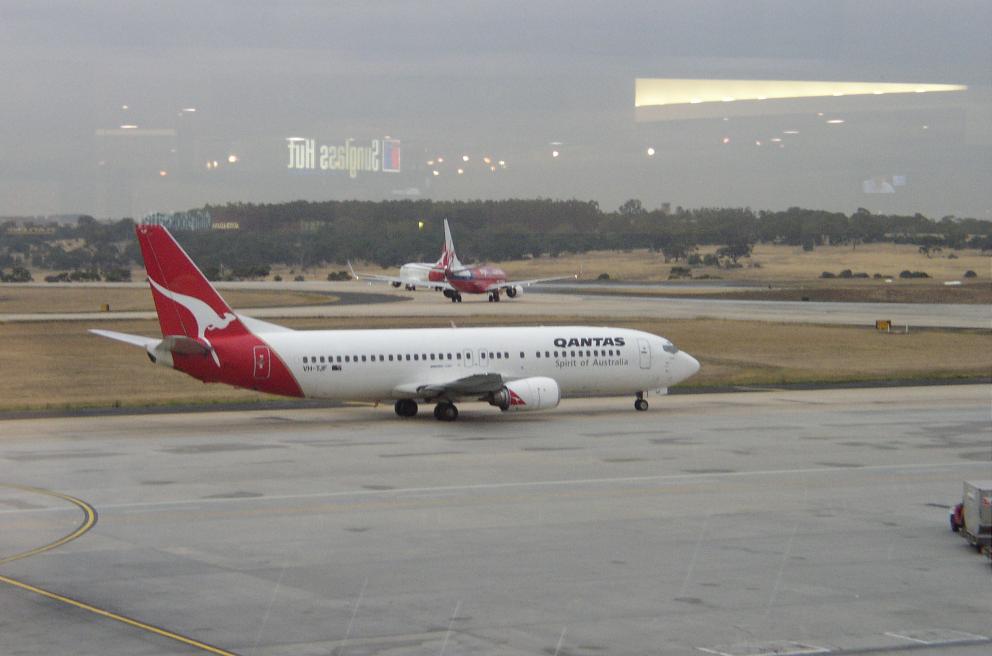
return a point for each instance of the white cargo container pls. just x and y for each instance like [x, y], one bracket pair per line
[976, 513]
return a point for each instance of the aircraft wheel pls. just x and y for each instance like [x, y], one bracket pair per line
[490, 298]
[459, 298]
[496, 297]
[454, 299]
[406, 408]
[445, 411]
[641, 405]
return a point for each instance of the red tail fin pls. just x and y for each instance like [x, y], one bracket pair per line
[186, 302]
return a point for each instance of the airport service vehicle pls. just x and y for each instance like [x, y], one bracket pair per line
[452, 277]
[972, 518]
[514, 369]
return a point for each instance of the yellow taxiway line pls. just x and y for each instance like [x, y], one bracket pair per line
[89, 521]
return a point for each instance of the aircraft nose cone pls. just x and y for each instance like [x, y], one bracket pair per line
[687, 365]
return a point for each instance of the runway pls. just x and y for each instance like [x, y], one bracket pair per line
[760, 523]
[579, 306]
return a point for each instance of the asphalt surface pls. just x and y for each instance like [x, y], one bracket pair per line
[433, 304]
[774, 522]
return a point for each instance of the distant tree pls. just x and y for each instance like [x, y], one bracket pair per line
[631, 208]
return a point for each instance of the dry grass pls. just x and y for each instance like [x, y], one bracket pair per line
[58, 364]
[777, 263]
[16, 299]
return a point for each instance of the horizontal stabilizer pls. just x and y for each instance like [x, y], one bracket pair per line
[134, 340]
[182, 345]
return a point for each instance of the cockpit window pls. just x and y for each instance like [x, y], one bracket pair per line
[669, 347]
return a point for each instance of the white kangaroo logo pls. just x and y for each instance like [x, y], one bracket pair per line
[206, 317]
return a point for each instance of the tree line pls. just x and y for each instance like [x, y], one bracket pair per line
[305, 234]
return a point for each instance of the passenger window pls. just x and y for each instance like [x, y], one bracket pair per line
[416, 357]
[449, 356]
[304, 359]
[483, 355]
[556, 354]
[347, 358]
[499, 356]
[458, 356]
[407, 357]
[506, 355]
[390, 357]
[432, 356]
[573, 354]
[490, 355]
[546, 354]
[521, 355]
[363, 358]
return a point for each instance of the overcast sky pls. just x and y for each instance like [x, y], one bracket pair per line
[511, 81]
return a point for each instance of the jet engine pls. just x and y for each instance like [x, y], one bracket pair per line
[537, 393]
[514, 291]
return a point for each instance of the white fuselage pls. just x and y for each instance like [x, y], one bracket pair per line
[377, 365]
[416, 272]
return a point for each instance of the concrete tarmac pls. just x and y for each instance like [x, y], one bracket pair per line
[752, 523]
[579, 306]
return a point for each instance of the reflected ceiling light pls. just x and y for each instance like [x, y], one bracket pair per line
[655, 92]
[650, 152]
[757, 142]
[461, 171]
[163, 173]
[430, 162]
[464, 158]
[436, 172]
[835, 121]
[775, 139]
[232, 158]
[440, 160]
[492, 168]
[124, 107]
[790, 131]
[487, 160]
[295, 139]
[502, 162]
[554, 153]
[189, 109]
[925, 127]
[129, 126]
[726, 140]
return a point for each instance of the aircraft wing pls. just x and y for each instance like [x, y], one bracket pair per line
[469, 386]
[397, 281]
[528, 283]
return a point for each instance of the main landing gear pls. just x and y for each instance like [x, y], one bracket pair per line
[406, 408]
[641, 403]
[494, 296]
[454, 295]
[445, 411]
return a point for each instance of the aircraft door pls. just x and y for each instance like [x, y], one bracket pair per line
[468, 357]
[644, 349]
[263, 362]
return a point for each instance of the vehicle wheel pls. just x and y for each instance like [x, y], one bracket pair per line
[640, 405]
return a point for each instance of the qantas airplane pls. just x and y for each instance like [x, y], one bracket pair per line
[454, 278]
[514, 369]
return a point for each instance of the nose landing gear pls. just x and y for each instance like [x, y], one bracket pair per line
[641, 403]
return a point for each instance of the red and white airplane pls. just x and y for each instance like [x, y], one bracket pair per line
[454, 278]
[514, 369]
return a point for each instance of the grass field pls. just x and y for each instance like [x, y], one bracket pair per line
[16, 299]
[771, 263]
[58, 364]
